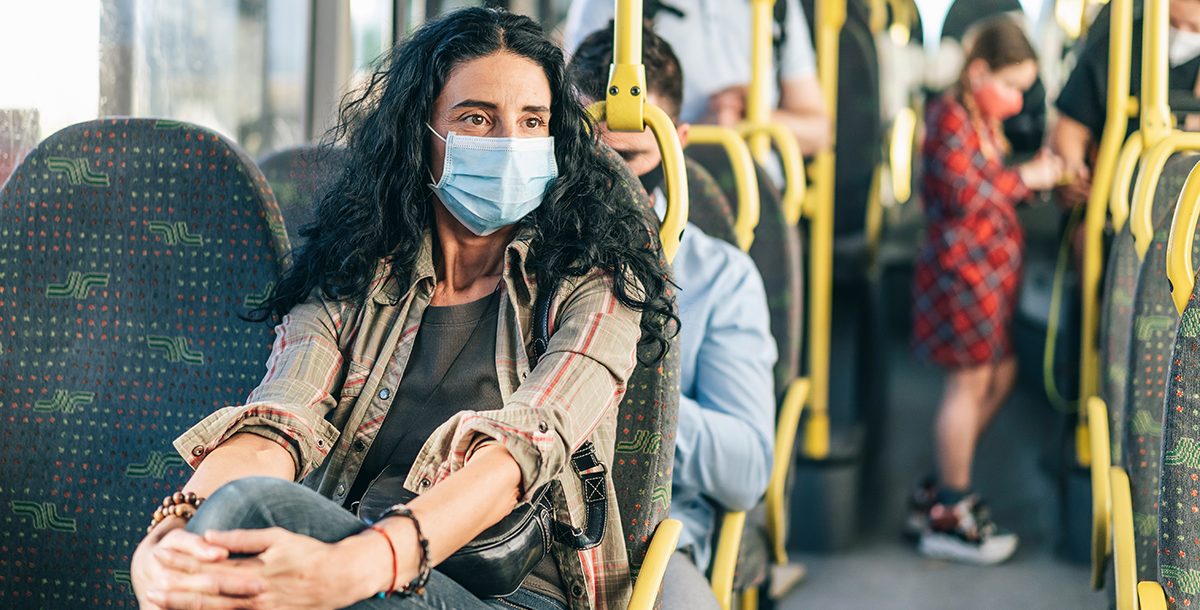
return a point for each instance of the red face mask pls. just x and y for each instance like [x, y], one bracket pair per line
[997, 100]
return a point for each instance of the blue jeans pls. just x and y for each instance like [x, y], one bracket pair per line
[262, 502]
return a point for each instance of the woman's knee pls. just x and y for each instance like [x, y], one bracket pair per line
[241, 504]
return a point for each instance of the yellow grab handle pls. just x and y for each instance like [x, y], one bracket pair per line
[877, 20]
[743, 175]
[1180, 272]
[785, 439]
[1118, 199]
[725, 561]
[627, 76]
[900, 158]
[1141, 216]
[671, 229]
[654, 565]
[1151, 596]
[762, 73]
[795, 191]
[1101, 491]
[1124, 560]
[1155, 121]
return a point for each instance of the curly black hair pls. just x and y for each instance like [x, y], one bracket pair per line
[380, 206]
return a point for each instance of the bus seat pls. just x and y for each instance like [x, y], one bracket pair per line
[1178, 515]
[298, 176]
[1154, 325]
[1116, 326]
[708, 207]
[774, 241]
[128, 248]
[646, 421]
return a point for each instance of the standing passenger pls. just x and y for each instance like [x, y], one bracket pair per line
[723, 447]
[967, 276]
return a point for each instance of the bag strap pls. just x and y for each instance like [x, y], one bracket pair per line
[590, 470]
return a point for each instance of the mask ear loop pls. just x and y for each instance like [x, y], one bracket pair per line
[433, 182]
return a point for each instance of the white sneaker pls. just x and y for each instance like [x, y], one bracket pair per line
[964, 532]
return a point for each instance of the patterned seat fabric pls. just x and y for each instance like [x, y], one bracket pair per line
[646, 421]
[127, 249]
[774, 242]
[708, 207]
[298, 176]
[1116, 314]
[1154, 324]
[1179, 508]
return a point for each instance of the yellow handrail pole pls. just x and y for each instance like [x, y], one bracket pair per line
[1120, 36]
[831, 14]
[1155, 123]
[795, 192]
[1141, 214]
[1124, 559]
[627, 76]
[1180, 273]
[900, 153]
[785, 437]
[1127, 161]
[725, 558]
[744, 177]
[762, 72]
[654, 566]
[1101, 492]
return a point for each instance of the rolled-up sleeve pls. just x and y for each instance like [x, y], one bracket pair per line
[577, 383]
[290, 403]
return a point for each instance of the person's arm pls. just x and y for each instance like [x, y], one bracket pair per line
[726, 431]
[802, 109]
[1072, 141]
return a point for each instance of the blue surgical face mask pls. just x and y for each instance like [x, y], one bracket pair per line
[491, 183]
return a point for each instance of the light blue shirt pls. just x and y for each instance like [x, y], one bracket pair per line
[726, 433]
[712, 42]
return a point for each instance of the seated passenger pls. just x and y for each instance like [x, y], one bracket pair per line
[966, 279]
[723, 449]
[473, 181]
[713, 41]
[1083, 101]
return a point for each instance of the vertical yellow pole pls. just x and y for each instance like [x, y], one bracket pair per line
[762, 71]
[627, 77]
[831, 14]
[1156, 122]
[1120, 35]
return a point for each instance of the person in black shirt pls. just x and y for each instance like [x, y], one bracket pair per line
[1082, 102]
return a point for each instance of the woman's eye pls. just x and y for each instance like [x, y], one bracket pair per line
[534, 123]
[476, 120]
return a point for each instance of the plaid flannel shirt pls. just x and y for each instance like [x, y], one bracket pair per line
[334, 368]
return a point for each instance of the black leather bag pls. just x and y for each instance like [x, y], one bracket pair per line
[497, 561]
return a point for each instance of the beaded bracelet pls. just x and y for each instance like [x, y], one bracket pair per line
[424, 570]
[178, 504]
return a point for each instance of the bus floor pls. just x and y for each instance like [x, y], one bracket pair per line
[1015, 470]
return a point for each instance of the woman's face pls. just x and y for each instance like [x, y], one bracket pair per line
[501, 95]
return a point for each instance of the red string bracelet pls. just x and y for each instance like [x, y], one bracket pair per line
[395, 564]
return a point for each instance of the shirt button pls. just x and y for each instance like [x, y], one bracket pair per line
[542, 426]
[425, 483]
[198, 450]
[385, 394]
[341, 489]
[359, 445]
[577, 590]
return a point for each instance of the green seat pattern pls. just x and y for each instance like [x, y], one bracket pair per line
[1154, 324]
[128, 247]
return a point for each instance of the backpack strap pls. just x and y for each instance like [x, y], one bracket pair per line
[587, 466]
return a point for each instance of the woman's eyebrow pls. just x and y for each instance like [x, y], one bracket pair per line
[474, 104]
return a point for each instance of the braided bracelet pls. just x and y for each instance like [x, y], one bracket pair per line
[178, 504]
[424, 570]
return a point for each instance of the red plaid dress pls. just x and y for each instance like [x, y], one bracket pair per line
[969, 267]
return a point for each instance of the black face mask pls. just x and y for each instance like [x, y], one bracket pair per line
[652, 179]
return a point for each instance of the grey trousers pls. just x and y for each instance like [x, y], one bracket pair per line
[685, 587]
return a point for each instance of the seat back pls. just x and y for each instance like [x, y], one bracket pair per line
[1179, 508]
[1116, 313]
[777, 251]
[298, 176]
[1154, 324]
[127, 249]
[708, 207]
[646, 420]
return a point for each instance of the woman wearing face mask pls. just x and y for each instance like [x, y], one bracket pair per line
[966, 280]
[473, 182]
